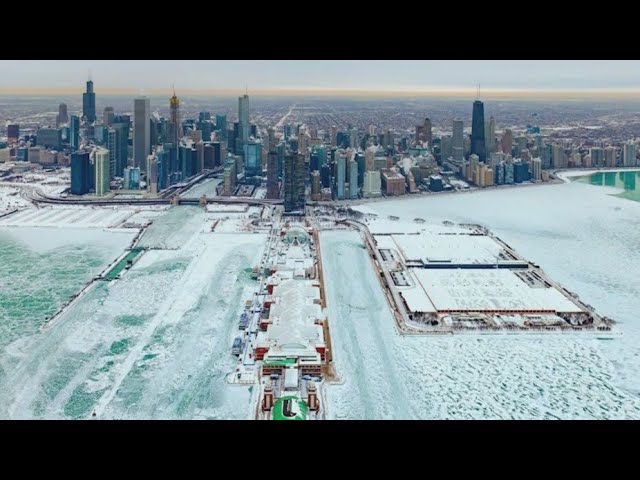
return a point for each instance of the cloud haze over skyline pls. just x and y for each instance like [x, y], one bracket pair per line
[112, 76]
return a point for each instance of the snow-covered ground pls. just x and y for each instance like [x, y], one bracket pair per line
[68, 217]
[10, 199]
[153, 344]
[582, 237]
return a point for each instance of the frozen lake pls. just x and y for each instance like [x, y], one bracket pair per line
[583, 237]
[154, 344]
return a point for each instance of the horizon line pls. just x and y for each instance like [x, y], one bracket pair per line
[496, 93]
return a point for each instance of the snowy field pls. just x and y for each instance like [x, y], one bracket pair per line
[153, 344]
[582, 237]
[386, 375]
[68, 217]
[10, 199]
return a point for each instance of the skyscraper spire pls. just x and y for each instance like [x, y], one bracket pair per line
[478, 92]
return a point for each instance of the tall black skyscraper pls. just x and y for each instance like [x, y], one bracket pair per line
[89, 103]
[477, 131]
[294, 177]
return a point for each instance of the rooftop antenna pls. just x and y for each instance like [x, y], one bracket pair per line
[246, 90]
[90, 75]
[173, 85]
[478, 92]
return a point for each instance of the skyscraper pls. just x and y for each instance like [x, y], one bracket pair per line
[559, 158]
[13, 131]
[152, 173]
[107, 116]
[243, 118]
[427, 131]
[63, 116]
[340, 175]
[141, 132]
[490, 136]
[80, 171]
[102, 170]
[252, 160]
[89, 103]
[457, 140]
[74, 132]
[507, 141]
[597, 156]
[353, 179]
[112, 146]
[221, 126]
[477, 131]
[121, 125]
[353, 138]
[629, 154]
[273, 189]
[610, 157]
[294, 177]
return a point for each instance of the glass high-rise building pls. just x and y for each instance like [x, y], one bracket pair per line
[80, 173]
[141, 132]
[74, 132]
[477, 131]
[221, 126]
[294, 180]
[252, 160]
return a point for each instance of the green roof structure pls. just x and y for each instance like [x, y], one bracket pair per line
[279, 362]
[290, 408]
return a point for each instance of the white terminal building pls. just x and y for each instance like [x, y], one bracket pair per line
[458, 275]
[292, 334]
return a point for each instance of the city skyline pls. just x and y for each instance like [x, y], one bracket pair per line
[447, 78]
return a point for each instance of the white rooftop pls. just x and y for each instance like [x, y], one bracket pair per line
[450, 248]
[488, 289]
[417, 300]
[293, 316]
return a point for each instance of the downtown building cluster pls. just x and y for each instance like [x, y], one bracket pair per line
[122, 153]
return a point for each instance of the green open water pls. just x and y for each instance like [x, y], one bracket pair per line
[629, 181]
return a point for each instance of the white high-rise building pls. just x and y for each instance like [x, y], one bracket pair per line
[536, 169]
[559, 158]
[369, 158]
[103, 175]
[372, 184]
[353, 138]
[457, 140]
[629, 155]
[490, 135]
[141, 132]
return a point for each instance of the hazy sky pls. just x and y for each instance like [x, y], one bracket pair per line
[320, 74]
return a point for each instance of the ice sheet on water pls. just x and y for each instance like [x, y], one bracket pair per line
[387, 375]
[153, 344]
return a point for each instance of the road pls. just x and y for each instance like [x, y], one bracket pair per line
[281, 122]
